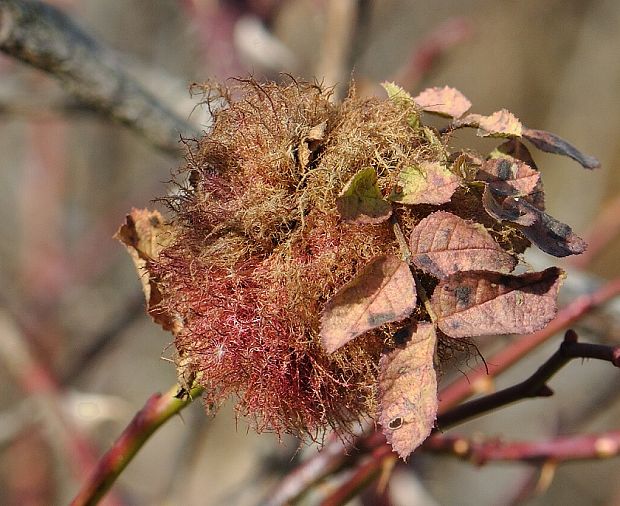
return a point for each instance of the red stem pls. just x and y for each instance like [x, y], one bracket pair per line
[463, 388]
[363, 475]
[579, 447]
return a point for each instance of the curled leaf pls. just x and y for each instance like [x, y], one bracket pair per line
[507, 176]
[361, 202]
[480, 303]
[383, 292]
[444, 101]
[442, 244]
[145, 234]
[506, 208]
[427, 183]
[550, 235]
[408, 391]
[551, 143]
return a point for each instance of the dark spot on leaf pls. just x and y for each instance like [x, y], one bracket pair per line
[401, 336]
[504, 170]
[462, 294]
[379, 319]
[424, 261]
[397, 423]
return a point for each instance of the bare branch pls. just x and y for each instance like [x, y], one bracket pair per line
[535, 385]
[559, 449]
[47, 39]
[159, 408]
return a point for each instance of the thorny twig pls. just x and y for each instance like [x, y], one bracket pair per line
[306, 474]
[157, 410]
[44, 37]
[535, 386]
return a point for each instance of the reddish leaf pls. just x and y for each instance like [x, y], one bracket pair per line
[444, 101]
[480, 303]
[551, 143]
[514, 148]
[442, 244]
[361, 202]
[408, 391]
[384, 291]
[428, 183]
[507, 176]
[499, 124]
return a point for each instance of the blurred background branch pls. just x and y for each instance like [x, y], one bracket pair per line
[44, 37]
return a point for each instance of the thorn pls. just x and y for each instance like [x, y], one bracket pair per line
[544, 391]
[571, 336]
[547, 473]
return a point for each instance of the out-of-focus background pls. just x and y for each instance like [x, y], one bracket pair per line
[70, 297]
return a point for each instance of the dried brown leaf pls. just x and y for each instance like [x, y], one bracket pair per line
[145, 234]
[427, 183]
[361, 202]
[550, 235]
[506, 176]
[444, 101]
[499, 124]
[480, 303]
[442, 244]
[383, 292]
[408, 391]
[506, 208]
[310, 143]
[551, 143]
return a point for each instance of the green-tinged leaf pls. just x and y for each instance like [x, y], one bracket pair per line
[427, 183]
[551, 143]
[361, 202]
[400, 97]
[444, 101]
[408, 391]
[478, 303]
[442, 244]
[383, 292]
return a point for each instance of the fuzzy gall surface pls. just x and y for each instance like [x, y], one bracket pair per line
[255, 244]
